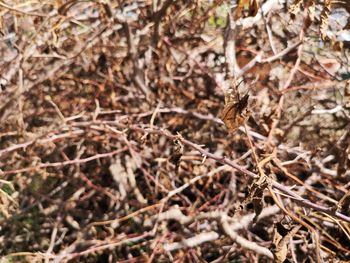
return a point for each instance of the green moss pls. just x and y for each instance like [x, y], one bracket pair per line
[41, 184]
[8, 189]
[218, 19]
[36, 183]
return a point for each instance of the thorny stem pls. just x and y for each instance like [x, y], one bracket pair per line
[273, 195]
[224, 160]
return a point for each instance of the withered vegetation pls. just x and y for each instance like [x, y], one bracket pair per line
[174, 131]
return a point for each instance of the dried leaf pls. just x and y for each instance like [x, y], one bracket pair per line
[324, 18]
[233, 114]
[256, 196]
[311, 9]
[177, 153]
[280, 240]
[294, 9]
[331, 65]
[246, 8]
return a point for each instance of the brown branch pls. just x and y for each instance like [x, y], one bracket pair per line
[244, 242]
[132, 53]
[70, 162]
[224, 160]
[13, 9]
[157, 19]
